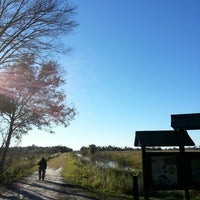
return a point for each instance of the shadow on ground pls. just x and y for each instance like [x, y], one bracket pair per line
[40, 190]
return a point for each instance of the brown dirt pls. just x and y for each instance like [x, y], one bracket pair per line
[52, 188]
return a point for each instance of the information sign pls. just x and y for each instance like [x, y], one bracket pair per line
[195, 168]
[164, 170]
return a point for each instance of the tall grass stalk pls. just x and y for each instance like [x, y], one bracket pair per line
[103, 179]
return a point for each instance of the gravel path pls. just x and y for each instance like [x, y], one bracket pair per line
[52, 188]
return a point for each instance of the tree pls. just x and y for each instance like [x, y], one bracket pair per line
[33, 26]
[92, 149]
[31, 96]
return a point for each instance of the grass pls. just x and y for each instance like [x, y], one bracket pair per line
[101, 180]
[56, 161]
[105, 182]
[23, 165]
[122, 158]
[113, 181]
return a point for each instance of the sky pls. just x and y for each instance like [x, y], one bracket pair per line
[133, 64]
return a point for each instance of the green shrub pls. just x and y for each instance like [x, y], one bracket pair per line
[101, 179]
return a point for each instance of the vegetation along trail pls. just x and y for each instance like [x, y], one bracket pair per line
[51, 188]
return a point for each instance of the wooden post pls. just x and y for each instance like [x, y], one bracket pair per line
[184, 172]
[135, 188]
[146, 196]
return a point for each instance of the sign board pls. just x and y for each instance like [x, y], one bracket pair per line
[165, 170]
[193, 160]
[195, 165]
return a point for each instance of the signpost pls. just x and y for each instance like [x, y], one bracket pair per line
[178, 170]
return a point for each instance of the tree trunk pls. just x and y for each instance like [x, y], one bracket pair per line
[5, 150]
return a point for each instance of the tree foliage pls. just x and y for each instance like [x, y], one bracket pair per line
[33, 26]
[31, 96]
[30, 92]
[92, 149]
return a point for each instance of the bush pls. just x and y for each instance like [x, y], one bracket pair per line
[102, 179]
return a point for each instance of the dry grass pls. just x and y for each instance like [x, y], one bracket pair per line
[57, 161]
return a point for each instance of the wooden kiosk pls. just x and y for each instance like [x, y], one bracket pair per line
[170, 170]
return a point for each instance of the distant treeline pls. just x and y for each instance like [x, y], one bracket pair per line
[91, 149]
[41, 150]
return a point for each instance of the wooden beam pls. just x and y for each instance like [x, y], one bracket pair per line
[186, 121]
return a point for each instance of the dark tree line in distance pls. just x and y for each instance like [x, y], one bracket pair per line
[91, 149]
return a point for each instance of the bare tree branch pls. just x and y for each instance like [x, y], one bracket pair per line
[33, 26]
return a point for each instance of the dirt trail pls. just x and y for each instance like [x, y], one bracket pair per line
[52, 188]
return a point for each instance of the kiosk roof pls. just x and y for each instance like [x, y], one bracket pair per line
[163, 138]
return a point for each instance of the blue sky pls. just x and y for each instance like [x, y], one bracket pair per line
[133, 64]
